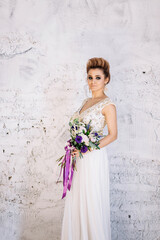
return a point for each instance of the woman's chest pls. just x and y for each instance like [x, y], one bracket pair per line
[95, 115]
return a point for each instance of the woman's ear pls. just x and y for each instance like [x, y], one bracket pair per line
[106, 80]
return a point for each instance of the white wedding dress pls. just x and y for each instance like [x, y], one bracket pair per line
[87, 204]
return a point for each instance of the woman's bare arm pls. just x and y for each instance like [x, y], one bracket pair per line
[109, 111]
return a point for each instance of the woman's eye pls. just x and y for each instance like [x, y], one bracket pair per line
[96, 78]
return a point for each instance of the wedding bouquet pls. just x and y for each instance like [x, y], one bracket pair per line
[83, 138]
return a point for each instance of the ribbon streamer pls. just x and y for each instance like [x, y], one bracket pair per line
[68, 170]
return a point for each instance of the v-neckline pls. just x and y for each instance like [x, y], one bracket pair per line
[91, 106]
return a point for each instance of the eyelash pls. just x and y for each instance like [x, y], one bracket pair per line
[96, 78]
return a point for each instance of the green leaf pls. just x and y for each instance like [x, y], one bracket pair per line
[70, 124]
[80, 155]
[59, 159]
[92, 144]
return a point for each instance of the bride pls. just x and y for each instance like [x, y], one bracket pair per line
[87, 204]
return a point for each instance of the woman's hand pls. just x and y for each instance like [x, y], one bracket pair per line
[75, 153]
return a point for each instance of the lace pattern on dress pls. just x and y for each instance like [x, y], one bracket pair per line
[93, 113]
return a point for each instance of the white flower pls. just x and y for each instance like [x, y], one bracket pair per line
[73, 133]
[92, 137]
[81, 128]
[85, 139]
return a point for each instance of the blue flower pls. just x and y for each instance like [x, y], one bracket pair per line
[78, 139]
[84, 149]
[88, 126]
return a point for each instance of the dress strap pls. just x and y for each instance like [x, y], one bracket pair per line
[84, 101]
[82, 104]
[106, 102]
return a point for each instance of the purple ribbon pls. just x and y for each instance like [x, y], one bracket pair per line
[68, 170]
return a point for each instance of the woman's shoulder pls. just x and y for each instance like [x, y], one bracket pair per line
[107, 101]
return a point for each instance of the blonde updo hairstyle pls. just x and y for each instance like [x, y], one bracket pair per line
[100, 63]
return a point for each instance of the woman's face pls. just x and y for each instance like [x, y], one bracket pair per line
[96, 79]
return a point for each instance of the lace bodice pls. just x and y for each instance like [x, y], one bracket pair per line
[93, 113]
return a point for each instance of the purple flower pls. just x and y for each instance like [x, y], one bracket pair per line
[78, 139]
[88, 126]
[70, 144]
[84, 149]
[96, 134]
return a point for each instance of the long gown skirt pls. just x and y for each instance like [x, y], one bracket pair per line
[87, 204]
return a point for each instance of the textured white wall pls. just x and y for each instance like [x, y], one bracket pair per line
[44, 47]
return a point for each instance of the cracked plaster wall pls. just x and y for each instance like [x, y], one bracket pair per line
[44, 47]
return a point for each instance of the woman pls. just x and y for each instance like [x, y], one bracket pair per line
[87, 204]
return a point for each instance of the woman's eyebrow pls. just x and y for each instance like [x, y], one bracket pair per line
[95, 75]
